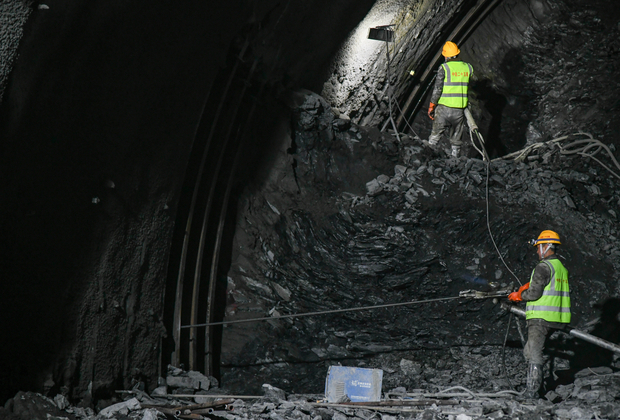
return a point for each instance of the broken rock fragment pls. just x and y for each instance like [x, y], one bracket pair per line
[273, 394]
[120, 408]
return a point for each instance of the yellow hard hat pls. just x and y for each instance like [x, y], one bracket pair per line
[450, 49]
[547, 237]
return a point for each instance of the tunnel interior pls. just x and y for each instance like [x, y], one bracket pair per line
[166, 165]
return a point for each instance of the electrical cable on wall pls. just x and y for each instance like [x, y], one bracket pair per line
[473, 130]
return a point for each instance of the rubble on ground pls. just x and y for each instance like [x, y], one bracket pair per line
[594, 395]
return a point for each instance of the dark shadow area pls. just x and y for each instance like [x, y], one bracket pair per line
[492, 105]
[607, 328]
[581, 354]
[504, 115]
[226, 250]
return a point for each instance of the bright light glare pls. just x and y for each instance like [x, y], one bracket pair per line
[358, 53]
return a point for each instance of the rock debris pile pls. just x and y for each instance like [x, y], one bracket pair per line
[594, 395]
[360, 219]
[547, 180]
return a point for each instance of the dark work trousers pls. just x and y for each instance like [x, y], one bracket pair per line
[448, 118]
[537, 332]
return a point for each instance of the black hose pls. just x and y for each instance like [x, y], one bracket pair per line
[504, 354]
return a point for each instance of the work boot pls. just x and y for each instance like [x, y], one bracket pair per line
[534, 380]
[455, 151]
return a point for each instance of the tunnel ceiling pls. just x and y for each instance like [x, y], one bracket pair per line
[108, 112]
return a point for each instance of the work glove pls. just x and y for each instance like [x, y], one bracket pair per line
[431, 111]
[516, 296]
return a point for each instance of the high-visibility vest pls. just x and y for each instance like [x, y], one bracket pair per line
[554, 304]
[455, 81]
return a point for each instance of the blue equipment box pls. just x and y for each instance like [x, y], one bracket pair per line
[358, 384]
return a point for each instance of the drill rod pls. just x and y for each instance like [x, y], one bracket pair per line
[572, 331]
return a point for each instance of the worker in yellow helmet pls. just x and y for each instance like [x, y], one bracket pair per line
[449, 98]
[548, 305]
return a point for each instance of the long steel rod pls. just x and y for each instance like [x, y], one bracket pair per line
[334, 311]
[572, 331]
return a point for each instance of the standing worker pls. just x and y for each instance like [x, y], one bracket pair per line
[449, 98]
[548, 305]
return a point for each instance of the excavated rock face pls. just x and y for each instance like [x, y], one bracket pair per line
[13, 16]
[419, 233]
[555, 77]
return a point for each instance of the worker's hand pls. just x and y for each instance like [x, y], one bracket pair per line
[431, 111]
[516, 296]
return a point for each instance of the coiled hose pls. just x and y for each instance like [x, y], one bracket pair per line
[587, 147]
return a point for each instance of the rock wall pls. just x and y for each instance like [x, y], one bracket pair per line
[97, 126]
[308, 240]
[13, 16]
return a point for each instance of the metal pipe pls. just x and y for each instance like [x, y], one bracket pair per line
[607, 345]
[240, 397]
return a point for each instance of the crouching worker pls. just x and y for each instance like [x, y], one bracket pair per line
[548, 305]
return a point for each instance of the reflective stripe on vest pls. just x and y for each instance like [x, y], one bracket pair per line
[554, 304]
[455, 84]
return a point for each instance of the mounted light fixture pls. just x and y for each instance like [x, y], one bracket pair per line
[382, 33]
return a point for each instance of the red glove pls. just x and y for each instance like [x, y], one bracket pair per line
[431, 111]
[516, 296]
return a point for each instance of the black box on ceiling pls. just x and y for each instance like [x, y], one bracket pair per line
[381, 34]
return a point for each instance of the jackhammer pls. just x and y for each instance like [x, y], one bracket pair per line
[474, 131]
